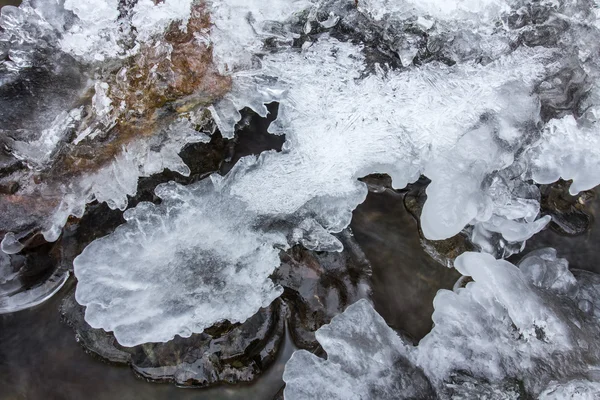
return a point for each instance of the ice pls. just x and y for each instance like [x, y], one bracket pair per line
[151, 17]
[365, 360]
[240, 26]
[569, 151]
[75, 149]
[511, 324]
[118, 180]
[15, 296]
[396, 129]
[197, 261]
[574, 390]
[466, 126]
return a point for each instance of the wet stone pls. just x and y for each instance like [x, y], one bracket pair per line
[226, 353]
[570, 214]
[320, 285]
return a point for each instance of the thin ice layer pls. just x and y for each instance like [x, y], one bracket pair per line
[15, 295]
[531, 324]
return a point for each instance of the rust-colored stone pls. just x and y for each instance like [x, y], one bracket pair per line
[172, 74]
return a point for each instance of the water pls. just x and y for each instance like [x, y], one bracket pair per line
[405, 279]
[40, 359]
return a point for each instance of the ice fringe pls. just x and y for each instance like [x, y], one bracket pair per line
[514, 331]
[472, 127]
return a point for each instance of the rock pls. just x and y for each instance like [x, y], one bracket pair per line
[225, 353]
[320, 285]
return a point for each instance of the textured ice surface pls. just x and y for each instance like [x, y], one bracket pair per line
[513, 331]
[405, 125]
[365, 360]
[474, 114]
[215, 267]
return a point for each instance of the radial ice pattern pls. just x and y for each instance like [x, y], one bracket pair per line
[514, 331]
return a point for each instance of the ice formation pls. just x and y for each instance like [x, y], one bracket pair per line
[474, 94]
[186, 281]
[478, 127]
[148, 107]
[14, 296]
[513, 331]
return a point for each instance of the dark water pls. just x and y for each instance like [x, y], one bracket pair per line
[582, 251]
[40, 358]
[405, 278]
[9, 2]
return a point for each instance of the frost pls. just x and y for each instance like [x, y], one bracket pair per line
[512, 323]
[396, 129]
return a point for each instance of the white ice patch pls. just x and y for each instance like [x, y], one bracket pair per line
[568, 150]
[533, 324]
[365, 360]
[179, 267]
[445, 122]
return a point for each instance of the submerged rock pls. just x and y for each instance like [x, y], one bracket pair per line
[317, 287]
[225, 353]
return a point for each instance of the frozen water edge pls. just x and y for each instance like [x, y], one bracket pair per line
[468, 127]
[512, 332]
